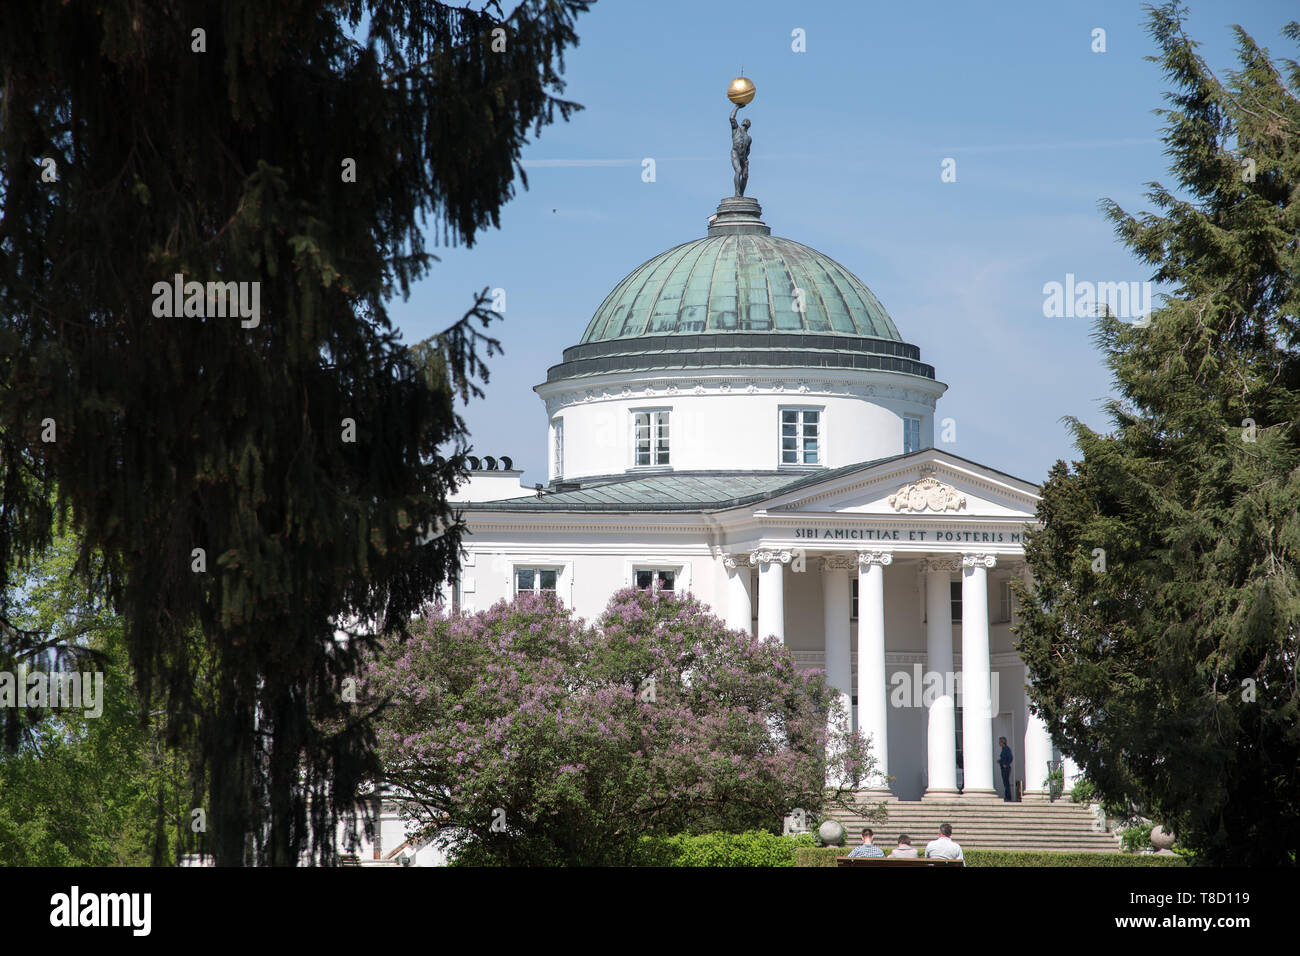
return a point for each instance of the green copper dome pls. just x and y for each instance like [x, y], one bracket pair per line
[739, 298]
[740, 278]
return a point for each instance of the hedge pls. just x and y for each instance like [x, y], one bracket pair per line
[825, 856]
[754, 848]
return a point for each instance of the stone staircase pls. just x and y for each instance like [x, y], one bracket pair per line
[986, 824]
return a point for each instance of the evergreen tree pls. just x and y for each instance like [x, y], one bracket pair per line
[1163, 632]
[266, 471]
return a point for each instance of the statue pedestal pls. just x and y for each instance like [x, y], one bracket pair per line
[738, 215]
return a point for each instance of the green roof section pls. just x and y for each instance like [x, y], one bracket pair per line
[740, 278]
[740, 283]
[692, 491]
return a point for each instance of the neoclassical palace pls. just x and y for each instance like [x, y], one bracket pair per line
[742, 420]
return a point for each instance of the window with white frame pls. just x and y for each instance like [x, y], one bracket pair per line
[656, 579]
[853, 600]
[536, 580]
[954, 594]
[650, 438]
[558, 456]
[801, 436]
[911, 433]
[1004, 600]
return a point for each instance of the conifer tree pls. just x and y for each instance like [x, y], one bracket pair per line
[261, 456]
[1163, 632]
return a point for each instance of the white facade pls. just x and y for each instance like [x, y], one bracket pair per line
[779, 465]
[786, 567]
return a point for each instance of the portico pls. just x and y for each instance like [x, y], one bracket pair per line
[871, 662]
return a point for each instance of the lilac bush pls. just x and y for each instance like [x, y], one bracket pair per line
[531, 737]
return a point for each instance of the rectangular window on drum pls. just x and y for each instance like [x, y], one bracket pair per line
[911, 434]
[800, 436]
[559, 447]
[650, 438]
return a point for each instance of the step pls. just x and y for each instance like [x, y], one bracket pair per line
[985, 823]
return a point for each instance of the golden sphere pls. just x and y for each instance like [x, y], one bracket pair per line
[741, 91]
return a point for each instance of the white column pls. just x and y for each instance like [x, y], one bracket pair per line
[873, 689]
[1036, 755]
[976, 705]
[771, 592]
[941, 731]
[836, 597]
[1072, 773]
[740, 607]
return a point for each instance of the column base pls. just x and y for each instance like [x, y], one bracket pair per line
[972, 794]
[941, 793]
[1030, 796]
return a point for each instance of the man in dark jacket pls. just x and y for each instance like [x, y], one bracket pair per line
[1004, 761]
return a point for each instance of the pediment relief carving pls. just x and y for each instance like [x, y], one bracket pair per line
[928, 493]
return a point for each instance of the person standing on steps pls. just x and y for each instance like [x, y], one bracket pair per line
[1004, 761]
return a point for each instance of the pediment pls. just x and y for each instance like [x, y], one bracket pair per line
[927, 484]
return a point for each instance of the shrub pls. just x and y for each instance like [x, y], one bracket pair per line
[1083, 792]
[753, 848]
[534, 739]
[1137, 838]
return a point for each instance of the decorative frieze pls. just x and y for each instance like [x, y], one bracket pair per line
[776, 385]
[948, 562]
[927, 492]
[838, 562]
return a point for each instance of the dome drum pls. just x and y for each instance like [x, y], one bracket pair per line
[740, 350]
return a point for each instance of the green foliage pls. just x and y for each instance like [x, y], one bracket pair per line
[182, 432]
[85, 790]
[753, 848]
[1133, 839]
[818, 855]
[1170, 676]
[1045, 858]
[530, 738]
[1083, 792]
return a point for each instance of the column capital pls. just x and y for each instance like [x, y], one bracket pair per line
[867, 559]
[766, 557]
[947, 562]
[979, 560]
[733, 561]
[838, 562]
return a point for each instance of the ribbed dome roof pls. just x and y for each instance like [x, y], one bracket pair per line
[740, 278]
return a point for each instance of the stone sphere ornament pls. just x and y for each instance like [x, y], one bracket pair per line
[1161, 839]
[741, 91]
[831, 833]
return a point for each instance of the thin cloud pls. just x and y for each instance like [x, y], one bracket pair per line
[1010, 147]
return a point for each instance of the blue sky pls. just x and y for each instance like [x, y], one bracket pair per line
[848, 141]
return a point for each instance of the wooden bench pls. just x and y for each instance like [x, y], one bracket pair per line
[889, 861]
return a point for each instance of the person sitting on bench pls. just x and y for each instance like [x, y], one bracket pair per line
[866, 847]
